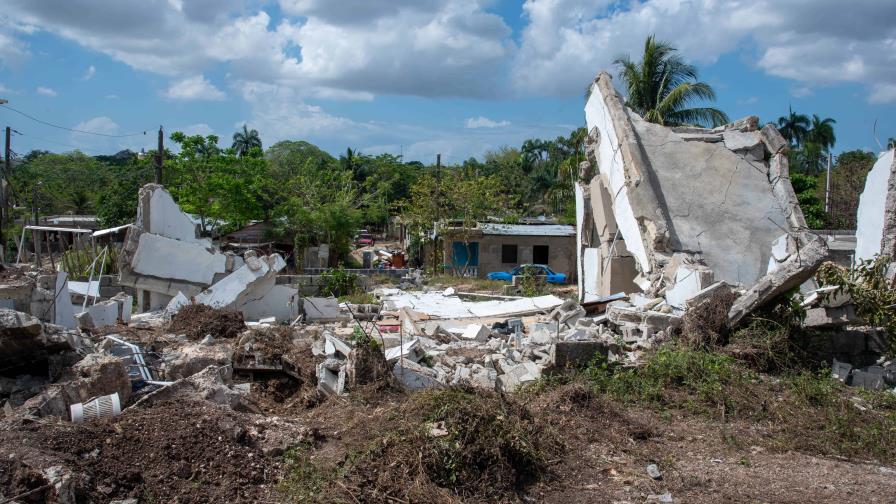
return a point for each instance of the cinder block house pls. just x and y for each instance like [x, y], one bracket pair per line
[500, 247]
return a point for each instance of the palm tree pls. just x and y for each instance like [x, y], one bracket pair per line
[661, 88]
[794, 127]
[819, 140]
[245, 140]
[821, 132]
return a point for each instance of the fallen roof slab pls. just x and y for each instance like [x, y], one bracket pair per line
[437, 305]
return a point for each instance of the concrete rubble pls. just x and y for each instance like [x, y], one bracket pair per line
[164, 261]
[668, 212]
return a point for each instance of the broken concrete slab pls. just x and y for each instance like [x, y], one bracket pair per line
[411, 351]
[322, 309]
[437, 305]
[642, 200]
[798, 268]
[476, 332]
[824, 316]
[413, 376]
[228, 290]
[211, 384]
[162, 257]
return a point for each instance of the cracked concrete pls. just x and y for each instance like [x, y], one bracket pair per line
[659, 199]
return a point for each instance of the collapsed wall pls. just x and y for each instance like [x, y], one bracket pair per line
[876, 217]
[669, 211]
[163, 258]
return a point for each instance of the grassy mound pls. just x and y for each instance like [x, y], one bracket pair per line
[438, 446]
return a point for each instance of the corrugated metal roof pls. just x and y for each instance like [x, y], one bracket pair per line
[528, 229]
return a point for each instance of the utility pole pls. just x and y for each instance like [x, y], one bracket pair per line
[827, 188]
[160, 153]
[3, 195]
[438, 187]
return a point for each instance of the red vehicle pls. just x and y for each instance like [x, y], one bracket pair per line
[364, 239]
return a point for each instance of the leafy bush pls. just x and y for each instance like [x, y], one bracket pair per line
[338, 282]
[873, 293]
[532, 282]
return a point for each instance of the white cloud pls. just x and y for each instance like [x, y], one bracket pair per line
[194, 88]
[112, 96]
[455, 48]
[801, 91]
[485, 122]
[45, 91]
[91, 70]
[883, 93]
[566, 42]
[101, 124]
[103, 144]
[197, 129]
[4, 89]
[356, 49]
[279, 113]
[13, 52]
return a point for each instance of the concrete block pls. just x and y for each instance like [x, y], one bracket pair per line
[575, 354]
[831, 317]
[476, 332]
[411, 351]
[228, 290]
[841, 370]
[318, 309]
[413, 376]
[329, 381]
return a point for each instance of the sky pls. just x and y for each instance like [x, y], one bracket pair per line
[420, 77]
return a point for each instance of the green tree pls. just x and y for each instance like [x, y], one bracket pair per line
[63, 183]
[794, 127]
[246, 140]
[818, 143]
[216, 185]
[662, 88]
[891, 143]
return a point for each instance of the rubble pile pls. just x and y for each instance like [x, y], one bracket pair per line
[167, 264]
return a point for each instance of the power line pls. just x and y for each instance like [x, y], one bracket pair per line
[41, 121]
[83, 149]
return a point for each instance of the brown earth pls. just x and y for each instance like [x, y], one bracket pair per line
[197, 320]
[368, 447]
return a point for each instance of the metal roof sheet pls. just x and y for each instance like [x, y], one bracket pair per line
[528, 229]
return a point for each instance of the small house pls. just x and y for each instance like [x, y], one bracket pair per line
[500, 247]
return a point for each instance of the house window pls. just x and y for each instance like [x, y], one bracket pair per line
[540, 254]
[509, 254]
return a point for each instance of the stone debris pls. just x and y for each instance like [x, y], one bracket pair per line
[166, 263]
[648, 228]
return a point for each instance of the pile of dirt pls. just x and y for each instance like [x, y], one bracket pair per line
[174, 452]
[450, 445]
[197, 320]
[706, 325]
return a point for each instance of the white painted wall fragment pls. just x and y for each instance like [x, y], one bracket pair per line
[163, 257]
[872, 208]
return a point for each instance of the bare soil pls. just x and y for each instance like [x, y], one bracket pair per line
[368, 447]
[197, 320]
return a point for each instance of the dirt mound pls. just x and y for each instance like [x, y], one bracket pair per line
[445, 445]
[187, 452]
[197, 320]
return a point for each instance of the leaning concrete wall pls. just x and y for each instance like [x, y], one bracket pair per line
[686, 206]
